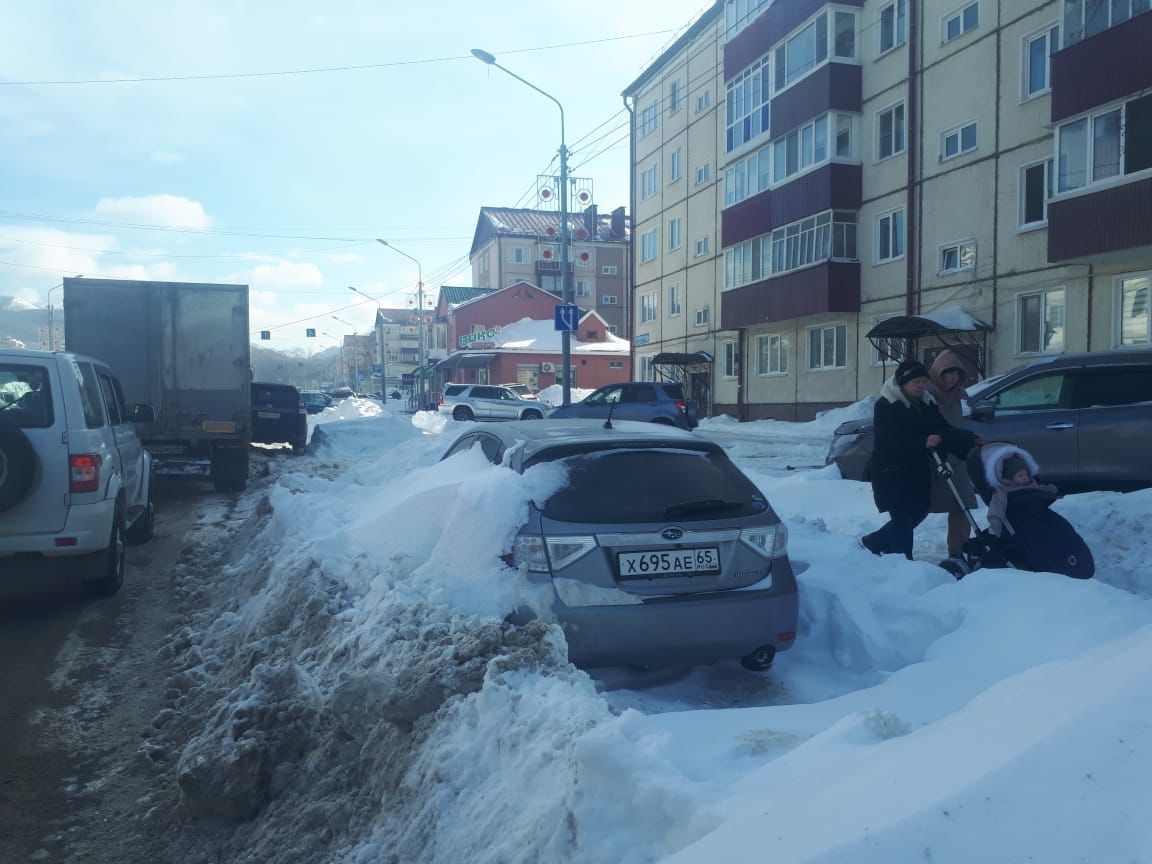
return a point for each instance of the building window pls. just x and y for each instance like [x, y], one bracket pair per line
[738, 14]
[746, 104]
[612, 328]
[582, 289]
[1037, 56]
[799, 150]
[703, 101]
[702, 246]
[675, 96]
[1084, 18]
[676, 166]
[955, 257]
[890, 236]
[799, 55]
[890, 131]
[963, 21]
[828, 347]
[648, 304]
[648, 118]
[1040, 322]
[961, 139]
[1132, 292]
[517, 255]
[648, 245]
[648, 182]
[674, 308]
[675, 233]
[731, 360]
[1105, 145]
[608, 300]
[615, 364]
[772, 354]
[703, 316]
[647, 370]
[893, 25]
[828, 235]
[608, 270]
[703, 173]
[1035, 189]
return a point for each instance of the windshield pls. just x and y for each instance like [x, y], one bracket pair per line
[652, 485]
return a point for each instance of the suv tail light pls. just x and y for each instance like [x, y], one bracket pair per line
[682, 405]
[84, 473]
[441, 400]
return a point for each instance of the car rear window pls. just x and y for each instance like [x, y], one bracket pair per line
[674, 391]
[637, 485]
[277, 397]
[454, 389]
[89, 395]
[26, 395]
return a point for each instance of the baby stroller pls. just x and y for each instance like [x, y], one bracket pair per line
[1027, 535]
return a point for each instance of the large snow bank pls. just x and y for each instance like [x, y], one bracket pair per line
[822, 427]
[553, 395]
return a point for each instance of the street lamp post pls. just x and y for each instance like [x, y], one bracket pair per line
[565, 236]
[380, 319]
[421, 402]
[340, 362]
[355, 350]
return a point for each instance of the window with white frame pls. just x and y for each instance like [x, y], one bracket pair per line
[1084, 18]
[1132, 318]
[955, 257]
[808, 47]
[1037, 61]
[582, 289]
[893, 25]
[703, 173]
[704, 101]
[615, 364]
[674, 307]
[609, 270]
[890, 236]
[675, 95]
[960, 22]
[828, 347]
[747, 105]
[648, 118]
[1035, 190]
[703, 316]
[702, 246]
[1040, 322]
[516, 255]
[608, 299]
[800, 149]
[648, 245]
[647, 370]
[612, 328]
[731, 360]
[772, 354]
[648, 305]
[890, 132]
[648, 182]
[828, 235]
[1110, 143]
[675, 166]
[675, 233]
[738, 14]
[960, 139]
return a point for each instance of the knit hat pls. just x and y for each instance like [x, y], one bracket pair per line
[1011, 465]
[908, 370]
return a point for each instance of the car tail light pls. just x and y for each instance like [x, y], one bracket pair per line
[529, 551]
[786, 636]
[545, 554]
[84, 473]
[771, 541]
[441, 400]
[303, 407]
[563, 551]
[682, 405]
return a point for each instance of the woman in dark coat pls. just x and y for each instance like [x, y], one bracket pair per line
[908, 425]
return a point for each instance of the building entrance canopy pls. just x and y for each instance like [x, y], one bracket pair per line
[465, 360]
[924, 336]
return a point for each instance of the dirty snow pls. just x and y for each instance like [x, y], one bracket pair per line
[353, 694]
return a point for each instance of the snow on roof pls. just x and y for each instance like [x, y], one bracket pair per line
[954, 318]
[530, 334]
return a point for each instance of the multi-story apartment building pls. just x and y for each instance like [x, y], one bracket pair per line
[513, 245]
[896, 158]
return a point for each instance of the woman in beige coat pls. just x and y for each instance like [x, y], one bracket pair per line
[949, 375]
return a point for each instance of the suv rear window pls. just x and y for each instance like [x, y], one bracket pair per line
[454, 389]
[25, 395]
[286, 398]
[652, 485]
[674, 391]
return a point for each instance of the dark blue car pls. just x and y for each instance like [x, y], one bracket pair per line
[645, 401]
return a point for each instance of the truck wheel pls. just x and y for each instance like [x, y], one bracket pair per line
[110, 562]
[17, 464]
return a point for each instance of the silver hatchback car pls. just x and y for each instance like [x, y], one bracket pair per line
[659, 550]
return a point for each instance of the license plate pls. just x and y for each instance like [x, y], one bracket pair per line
[268, 415]
[675, 562]
[166, 450]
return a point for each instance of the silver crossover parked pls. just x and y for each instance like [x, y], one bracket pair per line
[658, 549]
[486, 402]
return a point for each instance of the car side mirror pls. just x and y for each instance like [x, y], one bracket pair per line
[983, 409]
[142, 414]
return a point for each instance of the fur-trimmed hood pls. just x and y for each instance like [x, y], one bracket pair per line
[994, 455]
[892, 392]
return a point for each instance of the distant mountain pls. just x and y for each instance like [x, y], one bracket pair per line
[24, 322]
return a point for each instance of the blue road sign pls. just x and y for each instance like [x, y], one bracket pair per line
[567, 318]
[377, 368]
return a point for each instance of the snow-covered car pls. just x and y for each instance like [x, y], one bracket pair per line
[487, 402]
[75, 481]
[659, 550]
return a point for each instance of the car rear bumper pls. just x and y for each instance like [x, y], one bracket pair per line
[684, 629]
[89, 525]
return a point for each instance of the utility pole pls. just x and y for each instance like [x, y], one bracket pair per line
[421, 386]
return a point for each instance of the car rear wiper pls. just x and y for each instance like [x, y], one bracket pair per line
[707, 505]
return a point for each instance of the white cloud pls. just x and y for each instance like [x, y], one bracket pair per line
[168, 210]
[285, 274]
[167, 157]
[346, 258]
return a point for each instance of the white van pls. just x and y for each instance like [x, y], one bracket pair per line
[75, 482]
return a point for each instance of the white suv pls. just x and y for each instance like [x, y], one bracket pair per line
[75, 481]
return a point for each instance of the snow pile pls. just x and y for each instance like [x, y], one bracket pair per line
[822, 427]
[554, 395]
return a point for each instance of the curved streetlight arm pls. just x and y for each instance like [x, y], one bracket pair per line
[488, 59]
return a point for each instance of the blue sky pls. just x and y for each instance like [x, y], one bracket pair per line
[328, 160]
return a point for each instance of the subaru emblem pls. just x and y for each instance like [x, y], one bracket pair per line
[672, 533]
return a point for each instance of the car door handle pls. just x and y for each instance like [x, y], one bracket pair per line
[1060, 426]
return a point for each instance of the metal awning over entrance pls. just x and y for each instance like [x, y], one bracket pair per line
[693, 370]
[466, 360]
[696, 358]
[922, 337]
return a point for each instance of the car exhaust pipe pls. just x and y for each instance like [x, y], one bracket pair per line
[760, 659]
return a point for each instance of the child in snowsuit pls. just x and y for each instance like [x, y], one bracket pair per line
[1015, 476]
